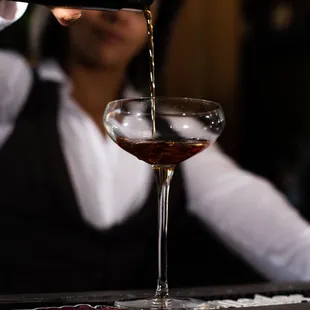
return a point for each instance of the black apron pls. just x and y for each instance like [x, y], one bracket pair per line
[47, 247]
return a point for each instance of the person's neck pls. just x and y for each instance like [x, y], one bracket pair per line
[94, 89]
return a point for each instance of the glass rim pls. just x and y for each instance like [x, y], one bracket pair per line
[217, 106]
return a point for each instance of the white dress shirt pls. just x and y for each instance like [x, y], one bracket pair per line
[245, 211]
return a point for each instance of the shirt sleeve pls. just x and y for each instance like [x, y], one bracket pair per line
[249, 215]
[10, 12]
[15, 85]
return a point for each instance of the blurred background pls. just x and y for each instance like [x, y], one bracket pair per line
[253, 56]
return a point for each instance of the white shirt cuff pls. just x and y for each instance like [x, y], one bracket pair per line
[10, 12]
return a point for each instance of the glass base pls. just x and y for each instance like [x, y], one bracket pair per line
[163, 304]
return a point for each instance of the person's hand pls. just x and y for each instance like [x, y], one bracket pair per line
[66, 16]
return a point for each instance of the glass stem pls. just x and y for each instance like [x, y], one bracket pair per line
[163, 176]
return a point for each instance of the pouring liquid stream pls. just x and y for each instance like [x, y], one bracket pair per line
[150, 36]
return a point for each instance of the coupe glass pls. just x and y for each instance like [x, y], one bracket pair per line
[177, 129]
